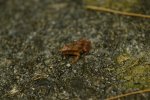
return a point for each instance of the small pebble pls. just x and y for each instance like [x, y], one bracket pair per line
[68, 65]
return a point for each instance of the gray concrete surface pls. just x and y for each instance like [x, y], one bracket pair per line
[32, 68]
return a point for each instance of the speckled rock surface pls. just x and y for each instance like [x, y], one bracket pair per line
[32, 68]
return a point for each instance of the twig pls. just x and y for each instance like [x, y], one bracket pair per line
[127, 94]
[116, 12]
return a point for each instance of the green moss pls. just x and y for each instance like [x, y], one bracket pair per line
[134, 74]
[138, 77]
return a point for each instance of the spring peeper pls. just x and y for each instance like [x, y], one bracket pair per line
[76, 48]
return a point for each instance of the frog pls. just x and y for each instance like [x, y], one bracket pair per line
[76, 48]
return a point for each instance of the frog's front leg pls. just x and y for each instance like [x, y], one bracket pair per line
[77, 54]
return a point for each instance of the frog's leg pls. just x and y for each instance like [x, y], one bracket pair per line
[76, 58]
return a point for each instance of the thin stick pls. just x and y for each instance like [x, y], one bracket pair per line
[127, 94]
[116, 12]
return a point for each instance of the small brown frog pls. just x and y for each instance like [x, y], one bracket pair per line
[76, 48]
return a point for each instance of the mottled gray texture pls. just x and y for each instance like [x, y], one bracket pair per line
[31, 67]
